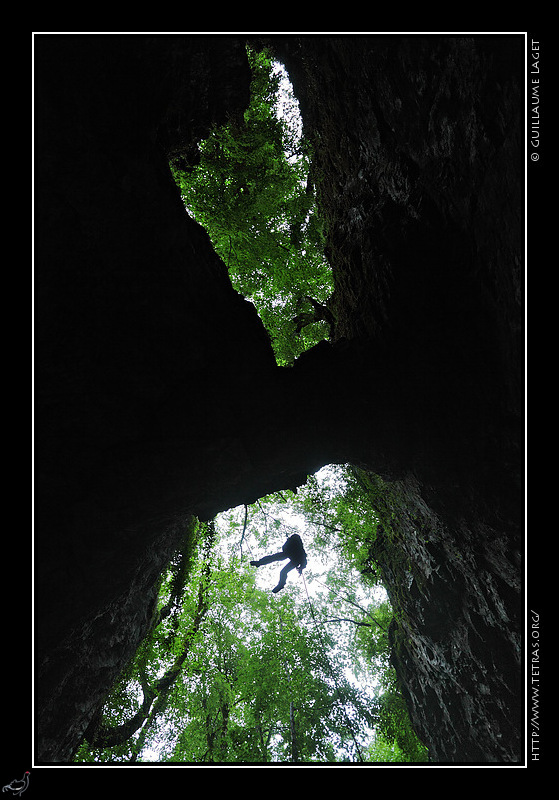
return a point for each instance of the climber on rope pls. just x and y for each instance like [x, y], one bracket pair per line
[294, 551]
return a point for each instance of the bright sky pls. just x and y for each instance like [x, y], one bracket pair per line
[288, 106]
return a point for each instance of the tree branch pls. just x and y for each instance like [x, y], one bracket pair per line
[346, 619]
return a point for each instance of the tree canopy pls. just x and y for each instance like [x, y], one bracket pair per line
[232, 673]
[253, 191]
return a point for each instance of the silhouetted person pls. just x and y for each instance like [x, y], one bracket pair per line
[293, 550]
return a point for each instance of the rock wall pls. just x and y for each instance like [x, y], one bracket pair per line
[455, 584]
[157, 394]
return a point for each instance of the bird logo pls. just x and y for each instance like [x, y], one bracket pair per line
[17, 787]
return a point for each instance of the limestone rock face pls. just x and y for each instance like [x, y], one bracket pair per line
[158, 396]
[456, 585]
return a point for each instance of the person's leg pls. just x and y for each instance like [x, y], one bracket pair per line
[283, 575]
[269, 559]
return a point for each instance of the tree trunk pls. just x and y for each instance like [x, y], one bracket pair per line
[293, 734]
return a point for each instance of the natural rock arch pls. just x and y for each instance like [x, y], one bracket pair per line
[157, 395]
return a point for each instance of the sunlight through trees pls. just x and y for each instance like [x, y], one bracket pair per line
[232, 673]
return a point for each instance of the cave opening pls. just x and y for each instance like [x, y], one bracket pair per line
[323, 644]
[164, 397]
[251, 184]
